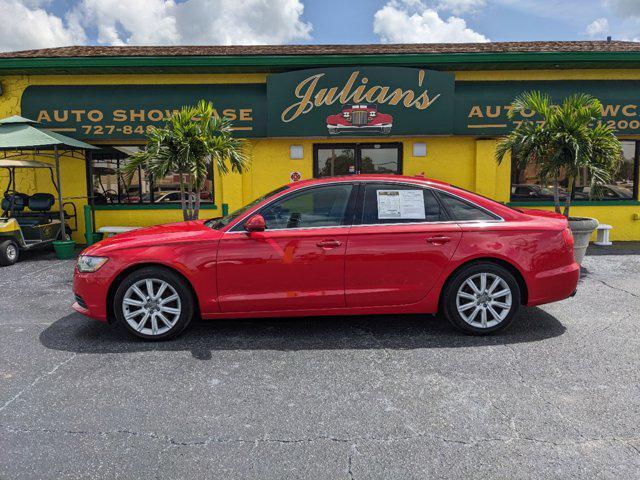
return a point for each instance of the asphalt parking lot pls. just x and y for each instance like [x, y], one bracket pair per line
[388, 397]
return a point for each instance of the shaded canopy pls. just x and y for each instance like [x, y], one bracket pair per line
[10, 163]
[19, 133]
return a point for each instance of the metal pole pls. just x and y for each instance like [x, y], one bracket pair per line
[88, 158]
[62, 225]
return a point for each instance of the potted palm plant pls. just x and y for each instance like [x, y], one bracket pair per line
[564, 141]
[191, 140]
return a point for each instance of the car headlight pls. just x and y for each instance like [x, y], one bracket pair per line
[88, 263]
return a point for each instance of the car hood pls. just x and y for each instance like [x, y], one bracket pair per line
[168, 233]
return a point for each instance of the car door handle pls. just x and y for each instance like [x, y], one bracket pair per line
[439, 240]
[329, 244]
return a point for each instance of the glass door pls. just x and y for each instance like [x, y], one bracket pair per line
[379, 158]
[332, 159]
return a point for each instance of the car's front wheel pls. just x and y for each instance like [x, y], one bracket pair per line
[153, 303]
[481, 298]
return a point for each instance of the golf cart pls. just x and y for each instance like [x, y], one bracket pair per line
[27, 221]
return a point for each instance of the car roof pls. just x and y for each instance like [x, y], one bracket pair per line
[484, 202]
[368, 178]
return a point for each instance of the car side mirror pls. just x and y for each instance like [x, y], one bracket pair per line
[255, 224]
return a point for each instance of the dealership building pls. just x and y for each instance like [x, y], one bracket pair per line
[318, 110]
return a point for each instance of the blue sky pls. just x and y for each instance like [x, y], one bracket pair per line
[50, 23]
[499, 21]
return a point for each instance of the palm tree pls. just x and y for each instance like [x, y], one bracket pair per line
[567, 139]
[190, 141]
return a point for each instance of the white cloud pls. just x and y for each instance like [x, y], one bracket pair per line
[141, 22]
[152, 22]
[413, 22]
[165, 22]
[242, 22]
[458, 7]
[598, 27]
[25, 26]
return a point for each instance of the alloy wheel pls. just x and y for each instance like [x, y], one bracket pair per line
[484, 300]
[11, 252]
[151, 306]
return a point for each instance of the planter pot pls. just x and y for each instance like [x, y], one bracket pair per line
[582, 228]
[65, 249]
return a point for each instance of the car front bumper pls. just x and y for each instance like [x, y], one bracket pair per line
[334, 129]
[90, 292]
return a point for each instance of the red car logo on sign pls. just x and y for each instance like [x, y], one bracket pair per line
[358, 118]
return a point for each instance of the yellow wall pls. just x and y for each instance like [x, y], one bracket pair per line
[144, 217]
[465, 161]
[447, 159]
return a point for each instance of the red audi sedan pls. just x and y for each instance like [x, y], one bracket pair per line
[356, 245]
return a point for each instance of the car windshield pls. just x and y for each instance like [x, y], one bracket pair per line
[219, 222]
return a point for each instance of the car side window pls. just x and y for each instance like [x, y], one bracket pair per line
[465, 211]
[393, 203]
[316, 207]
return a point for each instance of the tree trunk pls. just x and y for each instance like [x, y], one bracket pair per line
[196, 211]
[556, 195]
[183, 204]
[190, 197]
[189, 214]
[567, 203]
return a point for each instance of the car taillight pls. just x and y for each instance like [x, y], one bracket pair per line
[567, 237]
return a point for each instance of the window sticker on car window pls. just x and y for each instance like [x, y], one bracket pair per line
[400, 204]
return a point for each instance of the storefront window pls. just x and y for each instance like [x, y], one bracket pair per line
[525, 186]
[110, 187]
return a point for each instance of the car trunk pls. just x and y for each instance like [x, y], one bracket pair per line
[556, 217]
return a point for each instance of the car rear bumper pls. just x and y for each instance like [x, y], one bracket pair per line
[553, 285]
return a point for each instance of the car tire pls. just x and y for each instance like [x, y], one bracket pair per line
[9, 253]
[474, 304]
[162, 314]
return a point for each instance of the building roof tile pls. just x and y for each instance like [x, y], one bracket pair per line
[283, 50]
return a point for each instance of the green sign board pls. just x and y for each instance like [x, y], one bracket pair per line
[357, 101]
[334, 102]
[481, 108]
[102, 112]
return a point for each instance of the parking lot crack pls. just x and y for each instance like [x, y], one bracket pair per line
[633, 447]
[515, 364]
[36, 381]
[606, 284]
[205, 441]
[350, 454]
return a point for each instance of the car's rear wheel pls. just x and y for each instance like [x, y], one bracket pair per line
[9, 253]
[481, 298]
[153, 303]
